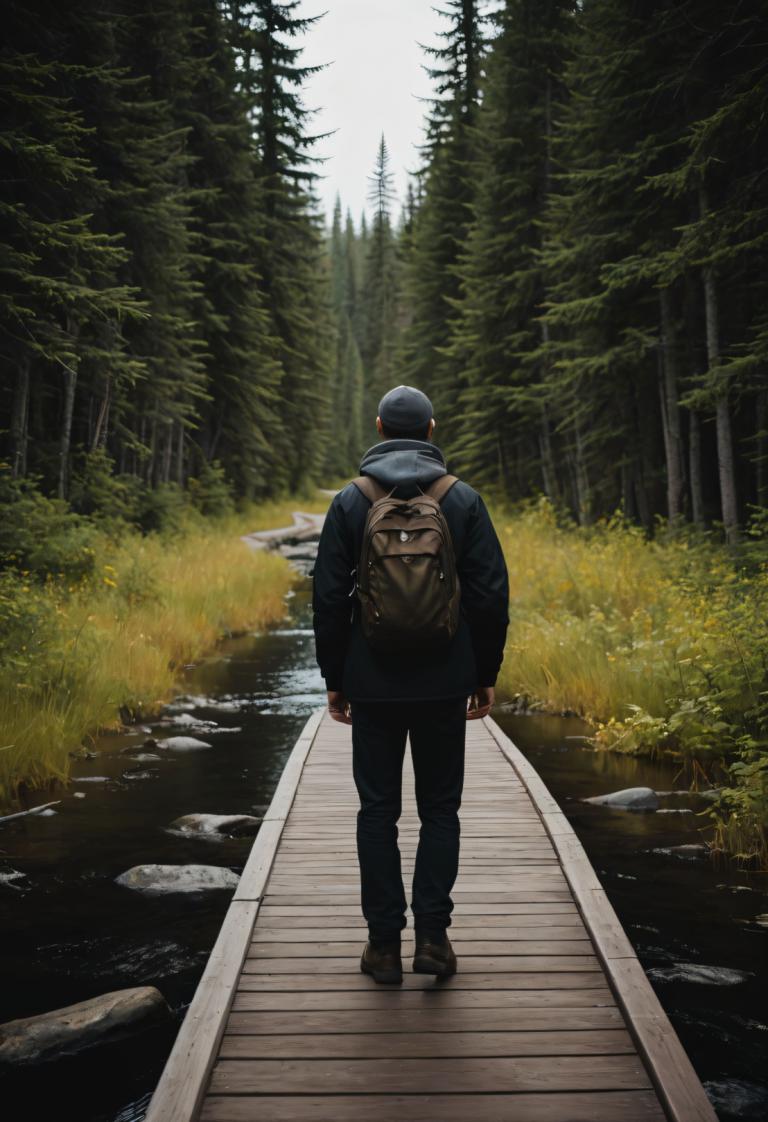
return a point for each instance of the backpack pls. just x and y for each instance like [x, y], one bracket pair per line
[406, 582]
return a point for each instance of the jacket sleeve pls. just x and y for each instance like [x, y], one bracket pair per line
[332, 588]
[484, 593]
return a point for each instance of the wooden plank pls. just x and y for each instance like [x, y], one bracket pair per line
[477, 964]
[179, 1092]
[669, 1067]
[267, 932]
[466, 1075]
[528, 1029]
[432, 1045]
[529, 895]
[272, 919]
[465, 949]
[385, 998]
[289, 909]
[580, 1106]
[502, 980]
[421, 1020]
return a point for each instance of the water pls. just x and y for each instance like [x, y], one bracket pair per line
[682, 916]
[68, 932]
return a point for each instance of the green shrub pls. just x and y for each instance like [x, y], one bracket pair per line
[96, 491]
[211, 493]
[42, 536]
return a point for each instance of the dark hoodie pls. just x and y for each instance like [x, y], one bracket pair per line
[474, 656]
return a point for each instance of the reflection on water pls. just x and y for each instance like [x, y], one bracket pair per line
[69, 932]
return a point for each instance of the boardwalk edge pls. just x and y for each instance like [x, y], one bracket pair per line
[677, 1084]
[182, 1085]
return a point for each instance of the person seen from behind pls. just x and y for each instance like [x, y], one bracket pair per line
[410, 611]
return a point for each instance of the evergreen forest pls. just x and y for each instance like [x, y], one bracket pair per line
[576, 275]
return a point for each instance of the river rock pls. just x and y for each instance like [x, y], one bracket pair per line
[183, 744]
[198, 701]
[695, 972]
[8, 876]
[47, 1036]
[632, 798]
[217, 825]
[187, 720]
[684, 852]
[159, 880]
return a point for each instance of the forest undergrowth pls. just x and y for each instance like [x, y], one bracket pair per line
[662, 644]
[98, 617]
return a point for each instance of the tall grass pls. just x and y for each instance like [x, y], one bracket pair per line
[663, 644]
[116, 641]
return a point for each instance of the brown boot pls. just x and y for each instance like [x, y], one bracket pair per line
[434, 955]
[383, 962]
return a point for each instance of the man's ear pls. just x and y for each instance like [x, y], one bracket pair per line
[431, 429]
[379, 426]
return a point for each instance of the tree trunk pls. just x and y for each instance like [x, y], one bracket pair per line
[549, 474]
[641, 496]
[761, 466]
[670, 410]
[627, 492]
[583, 495]
[694, 469]
[150, 468]
[168, 452]
[70, 385]
[138, 457]
[20, 421]
[180, 455]
[102, 421]
[549, 477]
[725, 459]
[213, 443]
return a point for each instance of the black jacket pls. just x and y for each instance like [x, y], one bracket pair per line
[473, 658]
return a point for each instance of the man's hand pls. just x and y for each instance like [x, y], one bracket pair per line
[338, 707]
[480, 703]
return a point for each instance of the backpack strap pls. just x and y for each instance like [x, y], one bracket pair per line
[369, 487]
[441, 486]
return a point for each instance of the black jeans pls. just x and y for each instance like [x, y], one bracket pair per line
[379, 731]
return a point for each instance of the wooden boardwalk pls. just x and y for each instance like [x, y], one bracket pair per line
[550, 1018]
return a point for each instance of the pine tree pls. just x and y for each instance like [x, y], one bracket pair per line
[717, 179]
[243, 374]
[440, 223]
[62, 274]
[344, 446]
[496, 333]
[379, 297]
[154, 202]
[291, 259]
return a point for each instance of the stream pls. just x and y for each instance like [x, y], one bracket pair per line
[68, 932]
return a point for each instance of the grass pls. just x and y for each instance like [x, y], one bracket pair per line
[85, 653]
[662, 644]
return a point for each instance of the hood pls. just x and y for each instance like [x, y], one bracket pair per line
[405, 465]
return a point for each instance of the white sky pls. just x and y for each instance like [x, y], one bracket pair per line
[373, 85]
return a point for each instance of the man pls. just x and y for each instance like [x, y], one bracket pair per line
[387, 696]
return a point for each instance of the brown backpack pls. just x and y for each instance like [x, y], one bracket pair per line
[407, 582]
